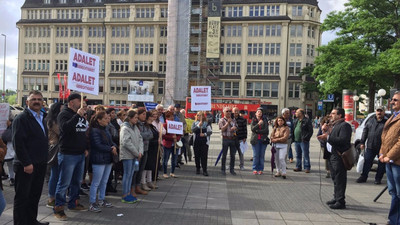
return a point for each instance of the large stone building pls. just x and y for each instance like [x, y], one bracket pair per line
[264, 44]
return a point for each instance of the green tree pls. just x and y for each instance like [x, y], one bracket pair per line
[366, 29]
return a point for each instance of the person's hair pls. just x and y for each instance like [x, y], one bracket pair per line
[340, 111]
[99, 108]
[276, 121]
[131, 113]
[51, 117]
[35, 92]
[204, 118]
[94, 123]
[168, 114]
[109, 110]
[284, 110]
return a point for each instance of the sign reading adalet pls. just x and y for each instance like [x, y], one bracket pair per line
[201, 98]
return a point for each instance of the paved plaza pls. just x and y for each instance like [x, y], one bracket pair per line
[244, 199]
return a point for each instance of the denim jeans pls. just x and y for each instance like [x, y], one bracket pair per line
[369, 156]
[71, 173]
[393, 181]
[129, 165]
[167, 152]
[101, 172]
[54, 175]
[2, 202]
[258, 155]
[303, 151]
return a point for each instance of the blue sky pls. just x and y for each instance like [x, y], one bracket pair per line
[10, 13]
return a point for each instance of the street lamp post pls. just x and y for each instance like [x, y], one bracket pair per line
[4, 68]
[381, 93]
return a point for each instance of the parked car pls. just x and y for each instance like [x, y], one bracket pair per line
[359, 131]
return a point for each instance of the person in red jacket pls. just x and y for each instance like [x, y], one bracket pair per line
[169, 141]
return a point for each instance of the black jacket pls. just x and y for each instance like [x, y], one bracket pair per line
[29, 141]
[241, 132]
[340, 137]
[306, 129]
[372, 133]
[100, 146]
[73, 140]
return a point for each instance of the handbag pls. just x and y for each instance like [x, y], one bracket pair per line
[348, 157]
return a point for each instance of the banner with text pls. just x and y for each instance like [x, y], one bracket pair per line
[83, 72]
[174, 127]
[201, 98]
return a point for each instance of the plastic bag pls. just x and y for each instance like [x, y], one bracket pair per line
[360, 163]
[243, 146]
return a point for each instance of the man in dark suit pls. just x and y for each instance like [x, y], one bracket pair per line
[339, 139]
[29, 134]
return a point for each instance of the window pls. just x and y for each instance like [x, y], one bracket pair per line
[160, 87]
[255, 49]
[233, 31]
[231, 89]
[232, 68]
[295, 49]
[254, 67]
[262, 89]
[272, 48]
[294, 90]
[297, 10]
[145, 12]
[143, 66]
[271, 68]
[119, 66]
[311, 32]
[236, 11]
[272, 10]
[162, 66]
[145, 31]
[294, 68]
[143, 49]
[233, 49]
[256, 30]
[256, 11]
[163, 31]
[273, 30]
[163, 49]
[296, 30]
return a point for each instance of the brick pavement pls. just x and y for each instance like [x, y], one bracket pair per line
[242, 199]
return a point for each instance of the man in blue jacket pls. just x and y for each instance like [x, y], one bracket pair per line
[71, 159]
[30, 140]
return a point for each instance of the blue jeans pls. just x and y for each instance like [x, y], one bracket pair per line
[54, 175]
[71, 173]
[167, 153]
[393, 181]
[2, 202]
[369, 156]
[101, 172]
[258, 155]
[129, 169]
[303, 150]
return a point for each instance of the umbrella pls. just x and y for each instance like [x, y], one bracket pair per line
[218, 158]
[273, 151]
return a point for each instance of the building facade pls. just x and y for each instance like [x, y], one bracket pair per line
[263, 47]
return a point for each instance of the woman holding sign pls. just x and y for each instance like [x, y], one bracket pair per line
[169, 143]
[201, 139]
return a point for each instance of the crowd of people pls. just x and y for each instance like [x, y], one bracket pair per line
[135, 145]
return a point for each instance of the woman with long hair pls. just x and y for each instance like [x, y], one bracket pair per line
[102, 149]
[146, 134]
[169, 143]
[131, 150]
[150, 166]
[201, 139]
[279, 138]
[259, 141]
[54, 135]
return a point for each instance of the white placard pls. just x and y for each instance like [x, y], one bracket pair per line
[174, 127]
[4, 115]
[201, 98]
[83, 72]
